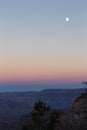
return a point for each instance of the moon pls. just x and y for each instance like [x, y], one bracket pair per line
[67, 19]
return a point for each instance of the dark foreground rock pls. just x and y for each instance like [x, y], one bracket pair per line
[76, 119]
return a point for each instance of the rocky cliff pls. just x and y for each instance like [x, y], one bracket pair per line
[76, 119]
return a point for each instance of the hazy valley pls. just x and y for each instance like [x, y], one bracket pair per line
[16, 104]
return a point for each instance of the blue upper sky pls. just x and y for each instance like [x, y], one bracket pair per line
[38, 45]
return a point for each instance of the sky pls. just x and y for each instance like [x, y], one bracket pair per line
[37, 45]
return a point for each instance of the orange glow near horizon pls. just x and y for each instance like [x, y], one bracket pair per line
[43, 69]
[42, 75]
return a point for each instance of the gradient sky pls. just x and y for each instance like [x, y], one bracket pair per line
[37, 45]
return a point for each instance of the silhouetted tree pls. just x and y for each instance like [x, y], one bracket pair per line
[56, 114]
[84, 82]
[85, 88]
[41, 107]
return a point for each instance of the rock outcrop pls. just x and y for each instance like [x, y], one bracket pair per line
[76, 119]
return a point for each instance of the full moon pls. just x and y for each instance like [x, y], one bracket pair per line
[67, 19]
